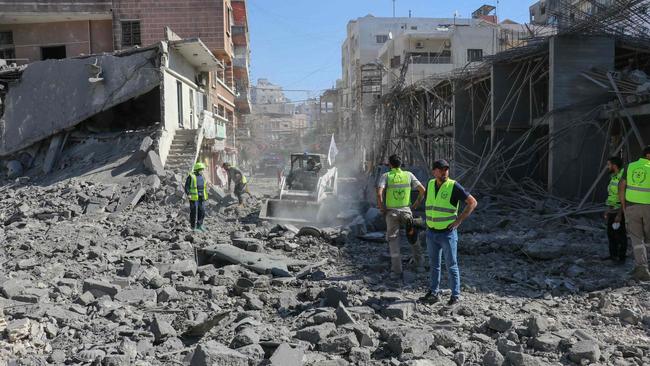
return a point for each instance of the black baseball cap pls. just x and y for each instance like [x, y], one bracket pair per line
[439, 164]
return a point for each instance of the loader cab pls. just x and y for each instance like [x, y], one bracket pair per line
[305, 171]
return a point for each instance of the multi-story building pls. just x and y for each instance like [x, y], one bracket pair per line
[241, 63]
[267, 97]
[328, 113]
[45, 29]
[417, 55]
[552, 12]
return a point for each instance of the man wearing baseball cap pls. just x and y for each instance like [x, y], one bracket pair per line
[443, 200]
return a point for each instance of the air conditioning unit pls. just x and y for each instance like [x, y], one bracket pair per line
[419, 45]
[202, 79]
[447, 44]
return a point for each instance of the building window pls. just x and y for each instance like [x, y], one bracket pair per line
[474, 55]
[382, 38]
[179, 101]
[52, 53]
[229, 21]
[414, 27]
[131, 33]
[7, 50]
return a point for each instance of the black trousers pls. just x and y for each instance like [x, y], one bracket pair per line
[197, 213]
[617, 238]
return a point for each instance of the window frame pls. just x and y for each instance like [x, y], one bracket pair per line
[130, 22]
[470, 53]
[383, 37]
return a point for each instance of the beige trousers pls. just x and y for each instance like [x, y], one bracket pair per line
[637, 219]
[394, 221]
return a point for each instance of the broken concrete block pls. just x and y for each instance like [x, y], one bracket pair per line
[85, 299]
[342, 344]
[12, 288]
[255, 353]
[413, 341]
[584, 350]
[499, 324]
[167, 294]
[245, 337]
[161, 329]
[258, 262]
[26, 264]
[493, 358]
[130, 200]
[100, 288]
[137, 296]
[399, 310]
[332, 296]
[153, 164]
[152, 182]
[315, 334]
[185, 267]
[18, 329]
[545, 343]
[343, 316]
[214, 353]
[522, 359]
[536, 325]
[145, 147]
[284, 355]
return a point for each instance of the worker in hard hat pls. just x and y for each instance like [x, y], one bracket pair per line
[241, 183]
[196, 188]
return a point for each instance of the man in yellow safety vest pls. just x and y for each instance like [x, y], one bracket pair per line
[634, 194]
[614, 217]
[196, 188]
[443, 199]
[398, 184]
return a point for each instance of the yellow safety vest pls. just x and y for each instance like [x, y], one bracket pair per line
[439, 210]
[194, 190]
[612, 191]
[398, 189]
[638, 182]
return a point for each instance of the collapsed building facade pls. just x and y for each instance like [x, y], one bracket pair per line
[549, 112]
[160, 87]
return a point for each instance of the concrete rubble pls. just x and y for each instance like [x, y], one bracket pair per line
[99, 267]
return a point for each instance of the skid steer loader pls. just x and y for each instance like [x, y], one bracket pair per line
[307, 192]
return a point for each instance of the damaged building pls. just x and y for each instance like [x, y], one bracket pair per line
[548, 112]
[162, 86]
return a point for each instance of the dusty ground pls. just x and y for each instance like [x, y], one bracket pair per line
[87, 279]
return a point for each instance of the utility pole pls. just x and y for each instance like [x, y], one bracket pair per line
[394, 8]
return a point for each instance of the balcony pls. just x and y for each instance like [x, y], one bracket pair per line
[429, 59]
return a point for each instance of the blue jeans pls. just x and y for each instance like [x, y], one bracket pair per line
[438, 244]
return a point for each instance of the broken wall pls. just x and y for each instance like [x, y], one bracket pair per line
[55, 95]
[576, 146]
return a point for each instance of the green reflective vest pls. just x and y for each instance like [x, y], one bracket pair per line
[612, 191]
[194, 190]
[439, 210]
[243, 177]
[398, 189]
[638, 182]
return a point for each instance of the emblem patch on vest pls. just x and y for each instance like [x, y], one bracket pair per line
[638, 176]
[399, 194]
[444, 195]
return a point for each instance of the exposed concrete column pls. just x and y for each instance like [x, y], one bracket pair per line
[575, 153]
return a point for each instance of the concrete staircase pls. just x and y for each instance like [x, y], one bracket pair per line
[182, 152]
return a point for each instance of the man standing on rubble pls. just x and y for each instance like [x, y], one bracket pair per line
[634, 194]
[196, 188]
[241, 183]
[397, 209]
[614, 215]
[443, 199]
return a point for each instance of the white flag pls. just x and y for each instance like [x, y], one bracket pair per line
[332, 152]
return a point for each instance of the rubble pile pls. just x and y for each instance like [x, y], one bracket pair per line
[109, 273]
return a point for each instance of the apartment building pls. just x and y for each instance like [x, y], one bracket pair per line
[545, 12]
[52, 29]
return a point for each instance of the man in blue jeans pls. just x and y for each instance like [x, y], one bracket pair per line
[443, 199]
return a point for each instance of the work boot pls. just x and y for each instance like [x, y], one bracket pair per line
[202, 228]
[641, 273]
[430, 298]
[453, 300]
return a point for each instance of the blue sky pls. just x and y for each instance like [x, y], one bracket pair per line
[297, 43]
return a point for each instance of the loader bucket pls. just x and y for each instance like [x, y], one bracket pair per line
[290, 211]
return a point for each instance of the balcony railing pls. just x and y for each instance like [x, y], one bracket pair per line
[430, 60]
